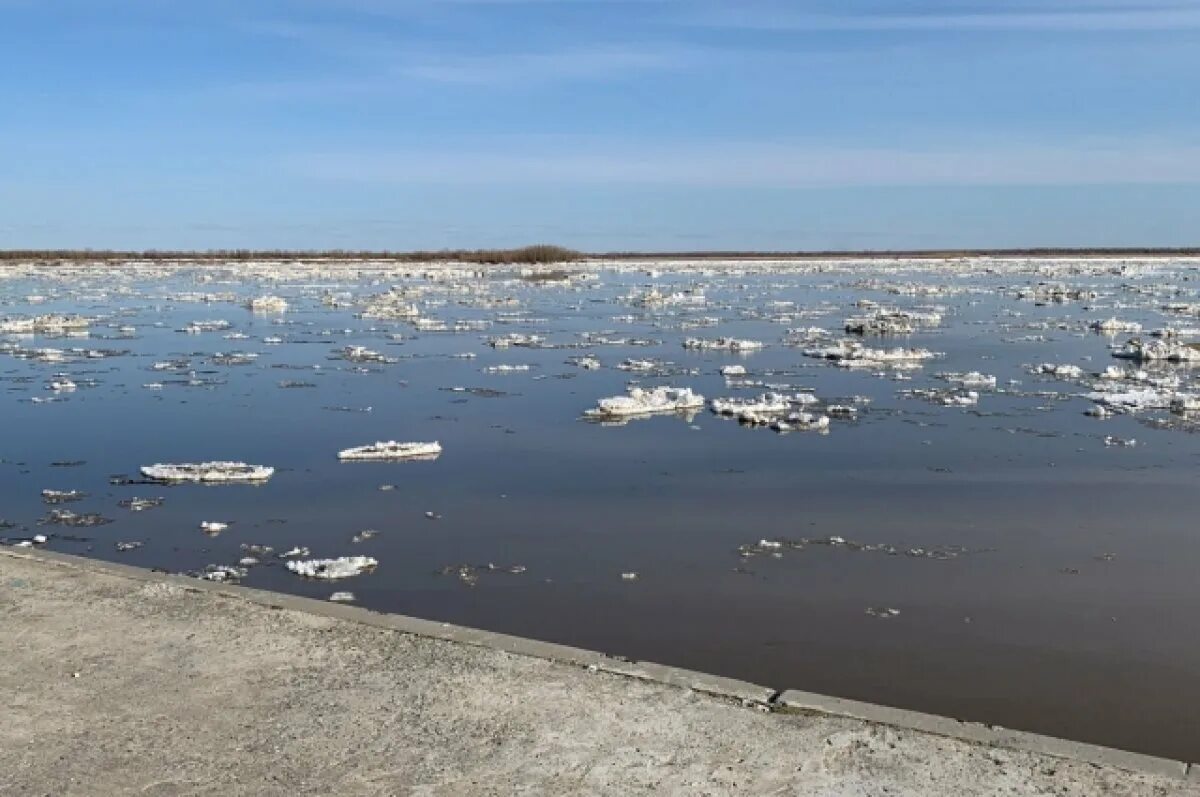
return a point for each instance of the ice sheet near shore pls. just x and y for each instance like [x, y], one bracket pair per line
[332, 569]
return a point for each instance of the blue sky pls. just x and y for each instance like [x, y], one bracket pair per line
[601, 124]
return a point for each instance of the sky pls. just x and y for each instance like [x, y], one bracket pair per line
[599, 124]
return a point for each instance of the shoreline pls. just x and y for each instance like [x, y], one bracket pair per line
[779, 705]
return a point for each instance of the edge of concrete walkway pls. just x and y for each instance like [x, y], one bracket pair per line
[788, 701]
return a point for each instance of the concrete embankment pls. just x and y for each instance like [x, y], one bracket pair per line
[117, 680]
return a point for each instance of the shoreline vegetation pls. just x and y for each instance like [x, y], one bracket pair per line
[548, 253]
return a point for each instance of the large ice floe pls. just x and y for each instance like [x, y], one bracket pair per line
[390, 450]
[647, 401]
[1165, 350]
[853, 354]
[330, 569]
[208, 472]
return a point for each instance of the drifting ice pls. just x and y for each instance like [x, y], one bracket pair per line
[268, 304]
[1158, 350]
[647, 401]
[342, 567]
[207, 472]
[390, 449]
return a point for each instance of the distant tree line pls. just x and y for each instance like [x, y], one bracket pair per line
[540, 253]
[548, 253]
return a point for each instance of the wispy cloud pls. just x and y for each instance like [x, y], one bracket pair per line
[1063, 17]
[758, 164]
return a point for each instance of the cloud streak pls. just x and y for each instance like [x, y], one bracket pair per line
[1060, 19]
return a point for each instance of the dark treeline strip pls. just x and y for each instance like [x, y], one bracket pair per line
[541, 253]
[547, 253]
[909, 253]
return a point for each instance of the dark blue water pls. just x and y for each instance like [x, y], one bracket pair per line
[1070, 607]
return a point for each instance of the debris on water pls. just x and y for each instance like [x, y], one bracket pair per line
[586, 362]
[51, 324]
[648, 401]
[629, 576]
[129, 546]
[364, 535]
[883, 612]
[208, 472]
[140, 504]
[432, 515]
[361, 354]
[62, 496]
[469, 574]
[329, 569]
[342, 597]
[65, 517]
[256, 549]
[390, 449]
[222, 573]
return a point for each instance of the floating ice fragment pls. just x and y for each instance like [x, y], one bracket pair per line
[207, 472]
[328, 569]
[1168, 350]
[390, 449]
[648, 401]
[268, 304]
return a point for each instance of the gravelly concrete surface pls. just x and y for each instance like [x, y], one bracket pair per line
[113, 686]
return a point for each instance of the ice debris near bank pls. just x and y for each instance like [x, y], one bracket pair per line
[331, 569]
[207, 472]
[390, 450]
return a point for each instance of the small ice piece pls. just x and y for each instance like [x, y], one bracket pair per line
[883, 612]
[295, 552]
[223, 573]
[268, 304]
[630, 576]
[801, 421]
[722, 344]
[129, 546]
[207, 472]
[62, 496]
[1060, 371]
[342, 597]
[1112, 326]
[391, 450]
[972, 379]
[733, 370]
[213, 527]
[647, 401]
[329, 569]
[61, 385]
